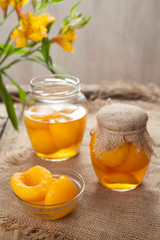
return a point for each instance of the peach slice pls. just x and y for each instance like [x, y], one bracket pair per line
[123, 178]
[34, 124]
[32, 185]
[115, 157]
[65, 134]
[42, 141]
[135, 160]
[111, 159]
[37, 117]
[61, 190]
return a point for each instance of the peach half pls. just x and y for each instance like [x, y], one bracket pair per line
[32, 185]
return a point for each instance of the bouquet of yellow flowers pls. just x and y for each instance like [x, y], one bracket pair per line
[30, 41]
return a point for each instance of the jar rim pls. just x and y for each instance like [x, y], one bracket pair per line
[55, 85]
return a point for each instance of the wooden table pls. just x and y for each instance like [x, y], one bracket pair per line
[11, 140]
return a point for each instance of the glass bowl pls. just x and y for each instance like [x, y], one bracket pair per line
[56, 211]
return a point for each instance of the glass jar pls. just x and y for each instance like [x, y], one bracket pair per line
[120, 146]
[55, 114]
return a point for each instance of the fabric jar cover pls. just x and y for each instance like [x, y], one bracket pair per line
[117, 123]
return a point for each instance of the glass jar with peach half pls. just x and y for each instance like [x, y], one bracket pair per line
[120, 146]
[55, 114]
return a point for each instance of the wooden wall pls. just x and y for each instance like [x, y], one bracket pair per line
[122, 41]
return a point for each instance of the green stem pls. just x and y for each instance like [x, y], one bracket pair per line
[6, 55]
[23, 56]
[13, 9]
[7, 41]
[4, 18]
[21, 59]
[52, 70]
[30, 52]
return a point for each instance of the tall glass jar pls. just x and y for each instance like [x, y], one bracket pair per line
[55, 114]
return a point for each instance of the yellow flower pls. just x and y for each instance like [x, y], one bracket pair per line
[65, 39]
[4, 5]
[19, 38]
[18, 5]
[32, 28]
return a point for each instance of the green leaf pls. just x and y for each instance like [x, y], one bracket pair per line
[8, 103]
[49, 26]
[45, 49]
[67, 29]
[45, 3]
[73, 8]
[56, 1]
[39, 58]
[19, 51]
[22, 93]
[12, 49]
[5, 48]
[2, 47]
[65, 21]
[1, 50]
[75, 20]
[76, 15]
[80, 22]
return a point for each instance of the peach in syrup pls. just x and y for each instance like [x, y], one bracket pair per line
[32, 184]
[61, 190]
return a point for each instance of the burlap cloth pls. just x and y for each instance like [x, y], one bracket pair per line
[102, 214]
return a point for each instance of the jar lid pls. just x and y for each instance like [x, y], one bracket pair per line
[118, 123]
[121, 117]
